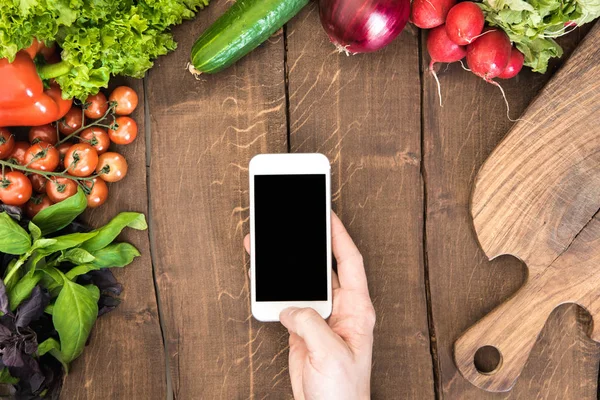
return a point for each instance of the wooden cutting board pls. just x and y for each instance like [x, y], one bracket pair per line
[537, 197]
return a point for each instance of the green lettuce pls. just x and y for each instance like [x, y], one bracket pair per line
[534, 24]
[98, 38]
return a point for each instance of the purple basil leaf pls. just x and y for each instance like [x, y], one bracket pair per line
[5, 334]
[106, 304]
[15, 212]
[23, 366]
[32, 308]
[3, 299]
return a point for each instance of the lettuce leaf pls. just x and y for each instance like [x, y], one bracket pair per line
[98, 38]
[534, 24]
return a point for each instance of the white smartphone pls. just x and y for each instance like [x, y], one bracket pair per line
[290, 234]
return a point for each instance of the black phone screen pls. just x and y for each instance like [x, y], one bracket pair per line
[290, 237]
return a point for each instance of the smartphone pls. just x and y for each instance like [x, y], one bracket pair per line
[290, 234]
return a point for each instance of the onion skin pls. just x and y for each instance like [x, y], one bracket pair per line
[362, 26]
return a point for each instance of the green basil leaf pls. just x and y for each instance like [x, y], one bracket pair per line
[52, 346]
[10, 284]
[52, 280]
[42, 243]
[49, 309]
[13, 239]
[110, 231]
[80, 270]
[75, 312]
[22, 289]
[6, 377]
[115, 255]
[77, 256]
[69, 241]
[36, 233]
[59, 215]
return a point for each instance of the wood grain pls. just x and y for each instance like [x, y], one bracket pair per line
[203, 136]
[532, 197]
[464, 284]
[125, 357]
[363, 113]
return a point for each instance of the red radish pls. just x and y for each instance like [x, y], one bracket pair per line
[427, 14]
[442, 49]
[488, 56]
[515, 63]
[464, 23]
[361, 26]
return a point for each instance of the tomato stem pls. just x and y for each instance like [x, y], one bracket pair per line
[109, 111]
[47, 175]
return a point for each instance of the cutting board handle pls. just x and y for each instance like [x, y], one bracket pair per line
[512, 328]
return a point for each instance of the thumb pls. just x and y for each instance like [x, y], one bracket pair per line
[312, 328]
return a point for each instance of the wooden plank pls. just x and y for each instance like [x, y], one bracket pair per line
[363, 113]
[125, 357]
[464, 285]
[203, 136]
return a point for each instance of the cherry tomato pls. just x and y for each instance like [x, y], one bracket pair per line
[38, 183]
[59, 189]
[97, 138]
[7, 143]
[15, 188]
[37, 204]
[81, 159]
[62, 150]
[96, 105]
[43, 133]
[126, 98]
[98, 192]
[18, 153]
[72, 121]
[126, 131]
[112, 167]
[42, 156]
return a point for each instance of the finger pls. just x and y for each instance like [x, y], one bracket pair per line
[312, 328]
[351, 271]
[335, 282]
[247, 243]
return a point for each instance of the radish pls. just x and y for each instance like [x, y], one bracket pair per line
[442, 49]
[464, 23]
[515, 63]
[427, 14]
[488, 56]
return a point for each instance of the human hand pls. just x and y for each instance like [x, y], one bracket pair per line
[332, 359]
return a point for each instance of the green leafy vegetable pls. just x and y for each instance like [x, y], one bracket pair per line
[115, 255]
[13, 238]
[75, 312]
[23, 288]
[534, 24]
[59, 215]
[110, 231]
[99, 38]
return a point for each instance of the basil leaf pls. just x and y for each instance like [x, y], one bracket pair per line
[115, 255]
[32, 308]
[42, 243]
[69, 241]
[3, 298]
[52, 346]
[13, 239]
[110, 231]
[11, 265]
[80, 270]
[59, 215]
[36, 233]
[23, 288]
[49, 309]
[77, 256]
[6, 377]
[75, 312]
[52, 280]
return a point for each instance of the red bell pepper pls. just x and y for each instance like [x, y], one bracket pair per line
[23, 99]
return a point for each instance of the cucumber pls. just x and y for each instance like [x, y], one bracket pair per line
[243, 27]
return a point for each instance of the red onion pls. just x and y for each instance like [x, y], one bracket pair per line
[361, 26]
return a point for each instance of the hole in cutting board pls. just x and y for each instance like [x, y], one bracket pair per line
[487, 360]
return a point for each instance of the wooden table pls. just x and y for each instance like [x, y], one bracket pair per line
[402, 171]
